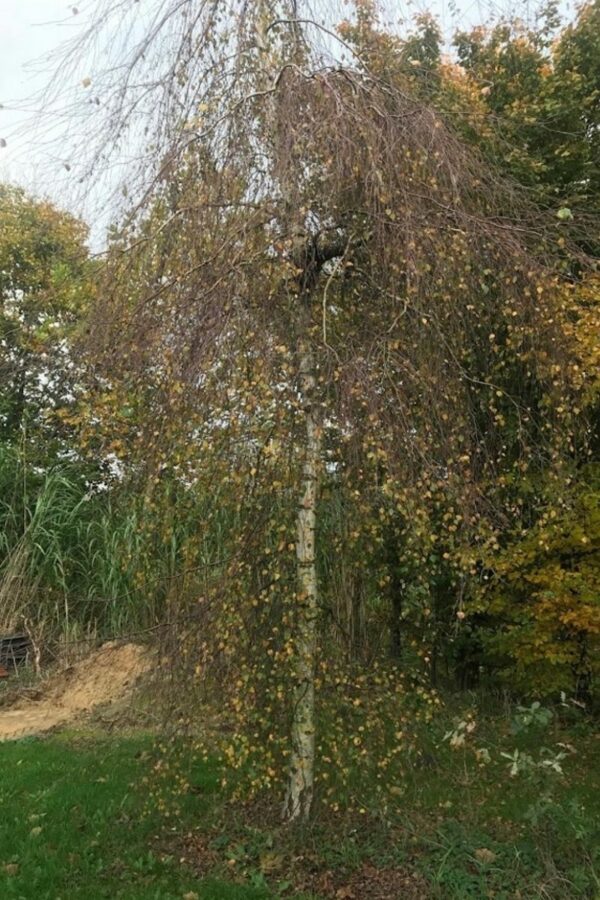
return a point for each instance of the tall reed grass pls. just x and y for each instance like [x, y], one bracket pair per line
[75, 562]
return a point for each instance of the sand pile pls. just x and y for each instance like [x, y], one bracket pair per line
[104, 676]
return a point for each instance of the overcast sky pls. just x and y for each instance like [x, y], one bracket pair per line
[31, 29]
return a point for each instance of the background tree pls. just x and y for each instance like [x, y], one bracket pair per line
[510, 95]
[540, 86]
[44, 286]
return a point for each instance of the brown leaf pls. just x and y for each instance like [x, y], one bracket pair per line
[270, 862]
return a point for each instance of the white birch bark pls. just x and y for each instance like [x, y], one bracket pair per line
[299, 794]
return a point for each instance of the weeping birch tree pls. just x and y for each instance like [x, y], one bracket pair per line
[291, 198]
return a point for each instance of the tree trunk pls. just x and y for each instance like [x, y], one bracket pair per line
[299, 793]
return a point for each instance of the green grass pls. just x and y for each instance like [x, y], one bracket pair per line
[466, 830]
[543, 829]
[73, 825]
[76, 822]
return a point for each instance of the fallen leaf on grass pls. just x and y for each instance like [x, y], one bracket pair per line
[270, 862]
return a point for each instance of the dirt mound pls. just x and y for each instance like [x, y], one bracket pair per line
[104, 676]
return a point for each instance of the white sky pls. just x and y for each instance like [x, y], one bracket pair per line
[32, 29]
[29, 30]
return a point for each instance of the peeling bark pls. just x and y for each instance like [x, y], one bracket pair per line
[299, 794]
[310, 254]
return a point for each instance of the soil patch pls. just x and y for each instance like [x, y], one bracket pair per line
[106, 675]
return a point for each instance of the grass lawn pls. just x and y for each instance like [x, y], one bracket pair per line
[75, 824]
[72, 825]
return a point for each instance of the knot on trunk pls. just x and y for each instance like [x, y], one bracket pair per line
[310, 252]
